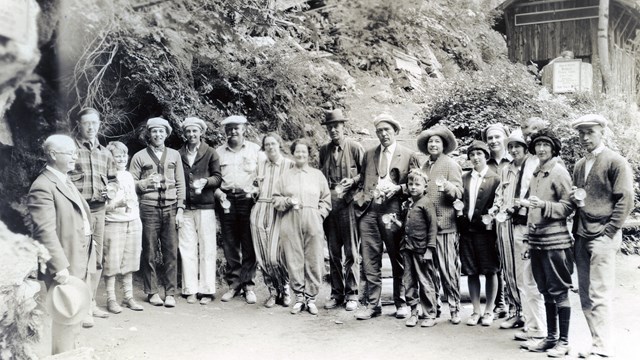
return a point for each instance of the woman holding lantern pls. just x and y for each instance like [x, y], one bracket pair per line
[265, 222]
[302, 196]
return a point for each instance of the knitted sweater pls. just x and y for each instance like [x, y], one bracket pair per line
[445, 167]
[172, 188]
[609, 200]
[548, 230]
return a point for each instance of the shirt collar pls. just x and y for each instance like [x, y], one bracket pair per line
[340, 145]
[391, 148]
[480, 174]
[158, 149]
[58, 174]
[244, 143]
[598, 150]
[545, 168]
[305, 169]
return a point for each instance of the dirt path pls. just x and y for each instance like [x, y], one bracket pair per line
[236, 330]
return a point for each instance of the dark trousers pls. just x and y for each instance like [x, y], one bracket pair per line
[159, 236]
[374, 235]
[552, 271]
[419, 283]
[237, 244]
[340, 228]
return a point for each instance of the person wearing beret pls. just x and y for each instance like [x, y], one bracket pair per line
[520, 286]
[607, 179]
[550, 242]
[61, 223]
[478, 251]
[159, 177]
[197, 236]
[94, 169]
[495, 135]
[445, 186]
[341, 162]
[384, 173]
[238, 165]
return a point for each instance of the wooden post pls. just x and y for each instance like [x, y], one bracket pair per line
[603, 44]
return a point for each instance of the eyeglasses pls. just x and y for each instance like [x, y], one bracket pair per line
[70, 153]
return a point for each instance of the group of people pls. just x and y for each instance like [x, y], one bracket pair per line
[506, 220]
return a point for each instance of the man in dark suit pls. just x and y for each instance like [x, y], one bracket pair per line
[60, 218]
[383, 178]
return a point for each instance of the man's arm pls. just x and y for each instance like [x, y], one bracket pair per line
[621, 179]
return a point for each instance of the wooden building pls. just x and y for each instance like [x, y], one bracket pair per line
[537, 31]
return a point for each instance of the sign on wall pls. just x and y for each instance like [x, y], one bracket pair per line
[571, 76]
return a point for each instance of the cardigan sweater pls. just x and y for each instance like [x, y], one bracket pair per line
[172, 189]
[445, 167]
[205, 166]
[548, 230]
[609, 200]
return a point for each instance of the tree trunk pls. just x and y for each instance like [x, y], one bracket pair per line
[603, 45]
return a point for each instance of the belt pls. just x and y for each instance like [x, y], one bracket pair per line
[265, 200]
[233, 191]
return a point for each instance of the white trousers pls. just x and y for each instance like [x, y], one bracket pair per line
[197, 245]
[532, 301]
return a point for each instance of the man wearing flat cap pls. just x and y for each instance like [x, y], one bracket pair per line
[159, 176]
[94, 168]
[445, 186]
[341, 162]
[238, 166]
[197, 236]
[607, 179]
[384, 174]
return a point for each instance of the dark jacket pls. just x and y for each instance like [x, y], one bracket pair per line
[484, 201]
[206, 165]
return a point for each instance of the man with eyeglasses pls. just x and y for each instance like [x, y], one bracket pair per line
[60, 221]
[94, 169]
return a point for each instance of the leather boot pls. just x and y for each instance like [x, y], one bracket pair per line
[552, 330]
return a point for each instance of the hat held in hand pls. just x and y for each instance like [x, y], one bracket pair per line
[68, 303]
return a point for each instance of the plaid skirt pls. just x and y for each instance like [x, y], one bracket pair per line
[122, 247]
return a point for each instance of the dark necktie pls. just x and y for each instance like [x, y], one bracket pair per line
[336, 153]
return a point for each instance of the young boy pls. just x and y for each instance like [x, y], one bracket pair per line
[417, 249]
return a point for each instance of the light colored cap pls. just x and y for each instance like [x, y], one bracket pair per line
[516, 136]
[496, 126]
[234, 119]
[384, 117]
[589, 120]
[159, 122]
[194, 121]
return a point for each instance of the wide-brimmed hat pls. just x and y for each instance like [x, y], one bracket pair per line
[518, 137]
[496, 126]
[445, 134]
[159, 122]
[384, 117]
[478, 145]
[589, 120]
[69, 303]
[333, 116]
[194, 121]
[234, 119]
[548, 136]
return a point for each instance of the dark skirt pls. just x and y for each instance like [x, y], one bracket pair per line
[479, 253]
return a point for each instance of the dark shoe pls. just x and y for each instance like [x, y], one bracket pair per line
[312, 308]
[474, 319]
[412, 321]
[429, 322]
[332, 303]
[513, 322]
[455, 318]
[368, 313]
[192, 299]
[351, 305]
[250, 297]
[560, 350]
[113, 307]
[543, 345]
[271, 302]
[297, 307]
[500, 312]
[155, 300]
[169, 301]
[229, 295]
[132, 304]
[402, 312]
